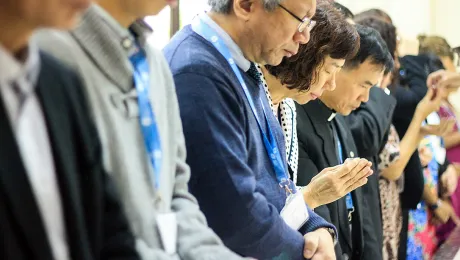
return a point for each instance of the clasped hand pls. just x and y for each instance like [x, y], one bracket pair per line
[335, 182]
[319, 245]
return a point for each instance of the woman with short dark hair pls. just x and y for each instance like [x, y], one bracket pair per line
[305, 76]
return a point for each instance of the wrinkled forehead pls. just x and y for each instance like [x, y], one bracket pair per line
[366, 73]
[369, 74]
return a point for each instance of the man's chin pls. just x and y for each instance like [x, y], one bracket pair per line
[66, 24]
[274, 61]
[344, 112]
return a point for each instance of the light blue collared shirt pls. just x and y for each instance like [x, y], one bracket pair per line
[235, 50]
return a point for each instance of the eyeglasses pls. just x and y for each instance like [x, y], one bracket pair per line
[305, 23]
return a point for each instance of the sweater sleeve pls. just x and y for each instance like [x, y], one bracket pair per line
[222, 181]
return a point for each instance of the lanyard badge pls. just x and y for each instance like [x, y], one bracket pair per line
[348, 198]
[147, 118]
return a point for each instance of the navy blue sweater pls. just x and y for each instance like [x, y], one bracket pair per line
[232, 176]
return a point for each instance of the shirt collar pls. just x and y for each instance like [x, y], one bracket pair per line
[235, 50]
[322, 112]
[138, 32]
[13, 69]
[332, 116]
[109, 44]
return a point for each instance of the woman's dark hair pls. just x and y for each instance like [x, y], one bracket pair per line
[372, 48]
[386, 30]
[332, 36]
[344, 10]
[376, 13]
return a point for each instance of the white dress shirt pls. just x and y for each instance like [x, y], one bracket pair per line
[17, 82]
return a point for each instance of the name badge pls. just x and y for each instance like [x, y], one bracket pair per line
[295, 212]
[167, 227]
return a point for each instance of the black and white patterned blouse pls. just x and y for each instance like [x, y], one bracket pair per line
[286, 115]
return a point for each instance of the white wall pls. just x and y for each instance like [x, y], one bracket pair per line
[161, 22]
[190, 8]
[161, 27]
[446, 20]
[412, 17]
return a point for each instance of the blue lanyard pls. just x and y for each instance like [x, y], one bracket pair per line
[147, 119]
[348, 199]
[269, 142]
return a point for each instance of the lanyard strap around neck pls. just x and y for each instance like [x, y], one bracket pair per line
[348, 198]
[147, 118]
[269, 140]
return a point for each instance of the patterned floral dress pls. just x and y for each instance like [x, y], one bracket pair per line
[453, 154]
[389, 197]
[422, 242]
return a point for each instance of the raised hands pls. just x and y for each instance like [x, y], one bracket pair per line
[333, 183]
[444, 79]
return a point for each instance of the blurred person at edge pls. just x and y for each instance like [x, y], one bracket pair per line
[439, 177]
[439, 46]
[439, 182]
[235, 144]
[57, 200]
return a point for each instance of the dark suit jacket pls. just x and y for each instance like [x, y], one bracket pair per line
[317, 151]
[370, 125]
[95, 224]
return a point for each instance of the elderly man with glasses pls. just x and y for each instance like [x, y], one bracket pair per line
[235, 144]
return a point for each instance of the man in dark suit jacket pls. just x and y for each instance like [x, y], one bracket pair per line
[325, 140]
[370, 124]
[56, 200]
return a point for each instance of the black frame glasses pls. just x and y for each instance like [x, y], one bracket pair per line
[304, 23]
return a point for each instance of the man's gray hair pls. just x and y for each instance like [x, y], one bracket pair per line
[225, 6]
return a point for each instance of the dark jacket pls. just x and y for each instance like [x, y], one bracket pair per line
[95, 224]
[370, 125]
[317, 150]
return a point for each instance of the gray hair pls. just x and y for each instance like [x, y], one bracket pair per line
[225, 6]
